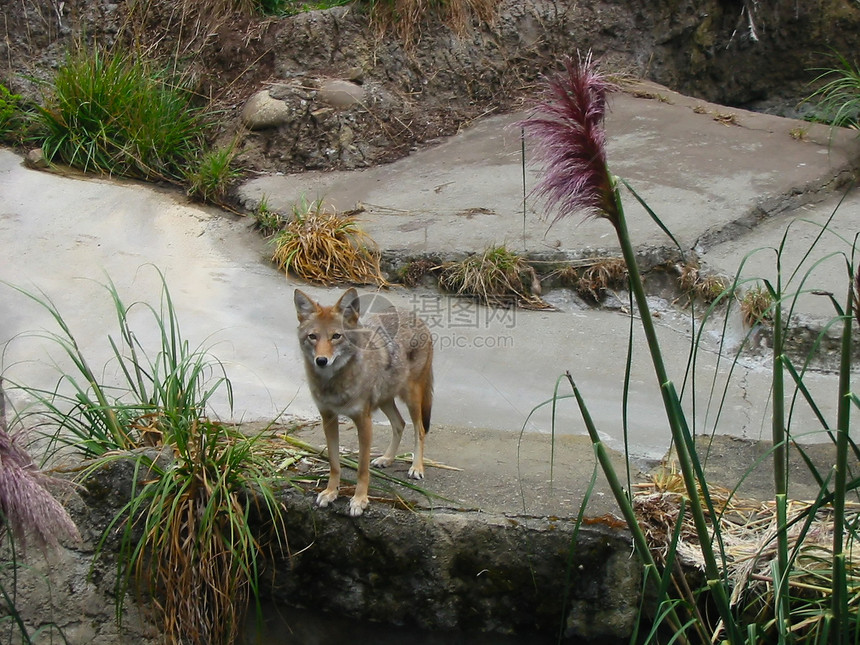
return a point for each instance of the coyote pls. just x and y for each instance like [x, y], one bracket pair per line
[354, 369]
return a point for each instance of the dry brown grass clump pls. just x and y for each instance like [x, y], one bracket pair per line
[325, 247]
[748, 530]
[495, 277]
[405, 17]
[602, 275]
[756, 306]
[696, 285]
[414, 272]
[592, 278]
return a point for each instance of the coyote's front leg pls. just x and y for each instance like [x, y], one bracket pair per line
[364, 425]
[332, 441]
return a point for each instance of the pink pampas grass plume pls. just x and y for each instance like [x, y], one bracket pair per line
[571, 142]
[29, 509]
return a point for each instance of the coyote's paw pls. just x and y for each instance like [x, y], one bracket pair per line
[382, 462]
[357, 506]
[326, 497]
[416, 471]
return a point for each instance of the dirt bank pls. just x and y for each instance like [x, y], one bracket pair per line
[732, 53]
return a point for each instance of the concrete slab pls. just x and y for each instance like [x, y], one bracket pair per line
[812, 258]
[712, 174]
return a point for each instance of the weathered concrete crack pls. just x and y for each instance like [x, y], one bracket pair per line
[776, 205]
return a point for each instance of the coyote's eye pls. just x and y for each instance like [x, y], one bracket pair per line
[336, 336]
[312, 336]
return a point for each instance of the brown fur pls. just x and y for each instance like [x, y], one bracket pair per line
[354, 369]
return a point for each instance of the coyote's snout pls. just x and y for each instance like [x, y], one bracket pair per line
[354, 369]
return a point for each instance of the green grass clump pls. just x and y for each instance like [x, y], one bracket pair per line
[210, 180]
[9, 111]
[267, 220]
[198, 555]
[293, 7]
[114, 113]
[838, 98]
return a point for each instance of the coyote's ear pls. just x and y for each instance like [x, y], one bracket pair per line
[305, 307]
[349, 306]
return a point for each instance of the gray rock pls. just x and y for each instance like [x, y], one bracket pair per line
[341, 94]
[36, 159]
[465, 570]
[262, 111]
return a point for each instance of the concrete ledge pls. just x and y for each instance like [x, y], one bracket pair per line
[464, 570]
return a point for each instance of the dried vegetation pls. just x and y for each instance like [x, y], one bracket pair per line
[325, 247]
[497, 277]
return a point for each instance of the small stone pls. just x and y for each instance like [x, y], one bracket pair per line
[321, 113]
[262, 111]
[341, 94]
[355, 74]
[79, 633]
[283, 91]
[36, 159]
[346, 137]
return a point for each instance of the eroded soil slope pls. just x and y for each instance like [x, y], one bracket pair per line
[732, 52]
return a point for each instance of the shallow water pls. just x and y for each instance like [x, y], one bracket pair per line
[288, 626]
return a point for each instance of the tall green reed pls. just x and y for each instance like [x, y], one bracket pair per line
[155, 397]
[571, 143]
[571, 140]
[190, 532]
